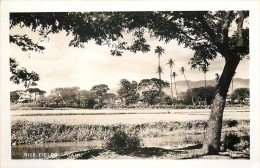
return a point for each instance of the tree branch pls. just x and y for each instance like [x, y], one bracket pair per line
[215, 40]
[225, 29]
[240, 40]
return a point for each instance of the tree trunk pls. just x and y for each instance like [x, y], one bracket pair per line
[35, 97]
[175, 89]
[193, 103]
[205, 88]
[171, 88]
[160, 89]
[213, 135]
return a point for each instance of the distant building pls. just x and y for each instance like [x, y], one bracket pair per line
[25, 97]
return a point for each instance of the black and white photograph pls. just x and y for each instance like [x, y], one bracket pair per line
[130, 85]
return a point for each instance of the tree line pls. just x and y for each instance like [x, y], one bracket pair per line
[146, 93]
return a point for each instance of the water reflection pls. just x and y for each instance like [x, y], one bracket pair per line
[44, 151]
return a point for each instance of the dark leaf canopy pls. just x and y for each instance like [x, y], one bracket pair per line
[100, 89]
[208, 33]
[35, 90]
[152, 84]
[21, 75]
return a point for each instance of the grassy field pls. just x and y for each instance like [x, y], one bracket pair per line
[108, 117]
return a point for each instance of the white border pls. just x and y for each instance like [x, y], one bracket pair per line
[59, 5]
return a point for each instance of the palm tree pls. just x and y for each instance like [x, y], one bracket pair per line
[171, 63]
[182, 71]
[205, 70]
[159, 50]
[174, 75]
[159, 70]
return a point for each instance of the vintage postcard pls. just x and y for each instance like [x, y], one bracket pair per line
[105, 82]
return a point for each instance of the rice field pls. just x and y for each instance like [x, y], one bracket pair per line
[108, 117]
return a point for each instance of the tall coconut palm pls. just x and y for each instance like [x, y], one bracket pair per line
[205, 70]
[183, 72]
[171, 63]
[159, 70]
[174, 75]
[159, 51]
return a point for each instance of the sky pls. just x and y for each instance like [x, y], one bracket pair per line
[62, 66]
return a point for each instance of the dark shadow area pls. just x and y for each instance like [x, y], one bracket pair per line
[91, 153]
[146, 152]
[82, 154]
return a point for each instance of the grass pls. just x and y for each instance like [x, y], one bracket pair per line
[26, 132]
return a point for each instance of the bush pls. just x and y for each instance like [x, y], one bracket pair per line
[121, 140]
[244, 143]
[231, 140]
[189, 125]
[97, 106]
[232, 123]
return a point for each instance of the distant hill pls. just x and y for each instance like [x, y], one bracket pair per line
[182, 86]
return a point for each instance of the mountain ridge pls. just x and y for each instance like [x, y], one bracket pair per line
[237, 83]
[182, 85]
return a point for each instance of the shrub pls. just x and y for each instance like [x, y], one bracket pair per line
[96, 106]
[231, 140]
[121, 140]
[232, 123]
[203, 125]
[244, 143]
[189, 125]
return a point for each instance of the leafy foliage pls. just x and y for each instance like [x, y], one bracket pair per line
[21, 75]
[100, 89]
[121, 140]
[25, 43]
[14, 96]
[67, 94]
[151, 89]
[240, 94]
[159, 70]
[128, 91]
[199, 95]
[231, 140]
[152, 84]
[232, 123]
[203, 31]
[35, 91]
